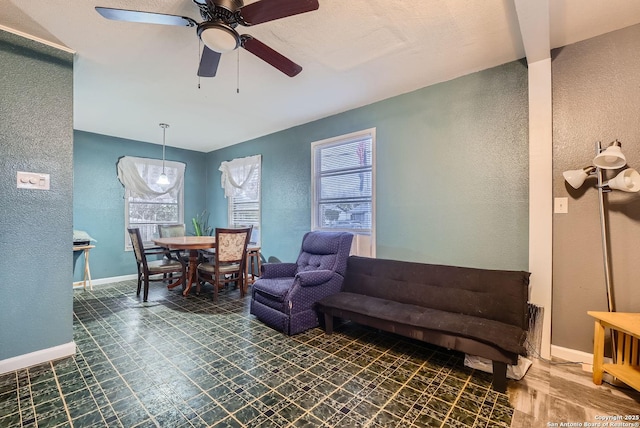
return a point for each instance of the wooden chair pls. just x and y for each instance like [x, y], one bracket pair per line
[171, 230]
[228, 264]
[147, 269]
[174, 230]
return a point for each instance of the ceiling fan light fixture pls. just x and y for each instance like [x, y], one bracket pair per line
[218, 37]
[218, 30]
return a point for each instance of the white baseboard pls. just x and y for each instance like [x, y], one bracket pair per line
[38, 357]
[571, 354]
[585, 358]
[109, 280]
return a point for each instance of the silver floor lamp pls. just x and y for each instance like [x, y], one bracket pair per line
[628, 180]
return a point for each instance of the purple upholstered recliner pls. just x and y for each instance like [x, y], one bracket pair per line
[285, 294]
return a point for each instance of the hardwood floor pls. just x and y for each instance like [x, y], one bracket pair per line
[552, 394]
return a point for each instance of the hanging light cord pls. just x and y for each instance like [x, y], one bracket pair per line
[199, 49]
[163, 179]
[164, 132]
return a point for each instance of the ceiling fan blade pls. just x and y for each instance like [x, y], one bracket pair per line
[270, 56]
[268, 10]
[145, 17]
[208, 63]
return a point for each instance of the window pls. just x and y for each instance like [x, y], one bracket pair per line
[241, 179]
[343, 183]
[147, 203]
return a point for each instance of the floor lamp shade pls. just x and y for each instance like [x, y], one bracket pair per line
[576, 177]
[610, 158]
[627, 181]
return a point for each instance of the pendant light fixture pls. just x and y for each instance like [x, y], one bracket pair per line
[163, 179]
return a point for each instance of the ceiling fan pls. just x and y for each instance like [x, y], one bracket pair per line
[218, 30]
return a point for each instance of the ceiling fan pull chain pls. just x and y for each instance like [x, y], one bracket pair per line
[238, 73]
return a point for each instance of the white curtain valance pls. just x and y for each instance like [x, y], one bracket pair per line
[236, 176]
[139, 176]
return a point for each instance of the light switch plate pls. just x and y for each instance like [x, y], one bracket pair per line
[32, 180]
[561, 205]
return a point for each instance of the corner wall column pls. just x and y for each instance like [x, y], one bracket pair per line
[541, 193]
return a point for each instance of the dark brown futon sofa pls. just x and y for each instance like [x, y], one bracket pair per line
[476, 311]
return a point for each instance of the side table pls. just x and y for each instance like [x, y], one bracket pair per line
[252, 265]
[625, 328]
[87, 271]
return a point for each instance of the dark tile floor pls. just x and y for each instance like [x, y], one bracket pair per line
[176, 362]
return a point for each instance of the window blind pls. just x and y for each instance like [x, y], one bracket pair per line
[344, 183]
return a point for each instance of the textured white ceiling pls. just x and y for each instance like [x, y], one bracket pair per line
[130, 77]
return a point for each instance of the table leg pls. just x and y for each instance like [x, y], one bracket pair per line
[87, 271]
[250, 273]
[192, 271]
[247, 268]
[598, 352]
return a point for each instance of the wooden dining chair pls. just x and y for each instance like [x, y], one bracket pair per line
[171, 231]
[228, 264]
[151, 270]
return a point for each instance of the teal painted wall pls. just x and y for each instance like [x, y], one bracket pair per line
[452, 183]
[285, 193]
[36, 135]
[98, 196]
[452, 173]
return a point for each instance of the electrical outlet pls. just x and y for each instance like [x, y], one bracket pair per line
[561, 205]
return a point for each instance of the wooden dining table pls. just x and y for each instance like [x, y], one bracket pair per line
[195, 243]
[192, 244]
